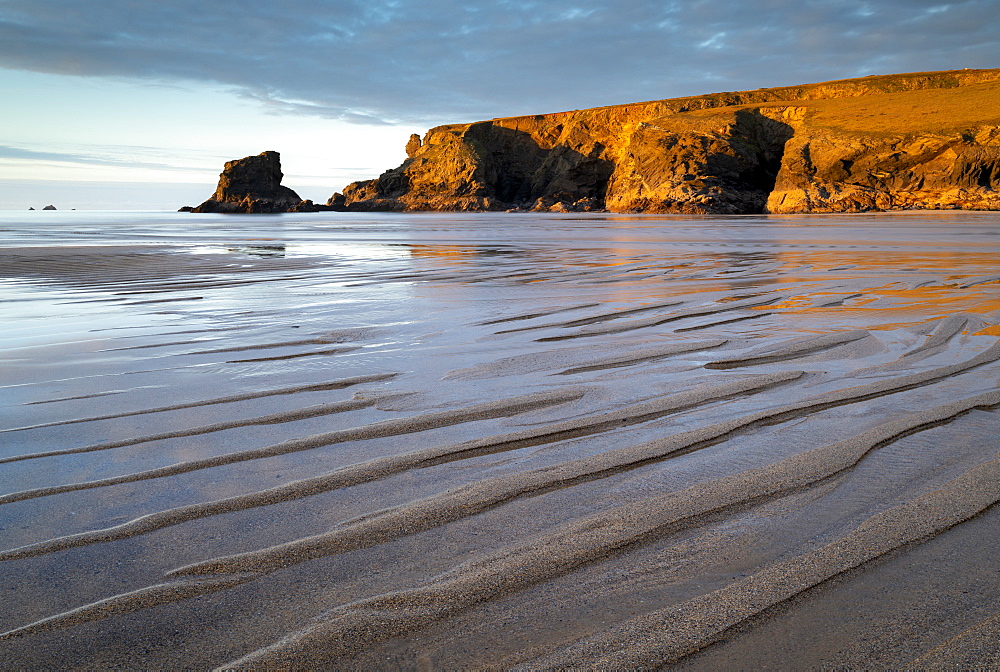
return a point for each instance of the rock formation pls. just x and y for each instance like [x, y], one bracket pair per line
[413, 144]
[840, 172]
[49, 207]
[921, 140]
[253, 185]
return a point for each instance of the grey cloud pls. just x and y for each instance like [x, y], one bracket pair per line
[391, 61]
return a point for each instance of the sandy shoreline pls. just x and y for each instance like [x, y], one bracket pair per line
[617, 443]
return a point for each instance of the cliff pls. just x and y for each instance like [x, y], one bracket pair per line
[920, 140]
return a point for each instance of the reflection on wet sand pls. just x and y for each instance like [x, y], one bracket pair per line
[503, 442]
[260, 250]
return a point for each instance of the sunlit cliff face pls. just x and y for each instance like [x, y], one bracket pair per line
[895, 142]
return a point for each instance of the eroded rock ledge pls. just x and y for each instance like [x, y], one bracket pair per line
[921, 140]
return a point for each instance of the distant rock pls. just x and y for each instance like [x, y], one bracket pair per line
[309, 206]
[49, 207]
[251, 185]
[30, 208]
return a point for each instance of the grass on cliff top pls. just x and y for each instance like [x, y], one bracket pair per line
[909, 103]
[935, 111]
[922, 111]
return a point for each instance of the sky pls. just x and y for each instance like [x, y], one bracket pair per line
[126, 104]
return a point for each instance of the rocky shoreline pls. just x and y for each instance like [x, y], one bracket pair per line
[892, 142]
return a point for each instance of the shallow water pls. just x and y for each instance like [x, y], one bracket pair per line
[456, 441]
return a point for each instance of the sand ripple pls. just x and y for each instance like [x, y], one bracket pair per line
[461, 442]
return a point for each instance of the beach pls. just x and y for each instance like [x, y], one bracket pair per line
[499, 441]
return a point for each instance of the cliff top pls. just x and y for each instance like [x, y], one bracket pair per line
[879, 104]
[840, 88]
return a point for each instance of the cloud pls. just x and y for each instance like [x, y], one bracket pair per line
[402, 61]
[7, 152]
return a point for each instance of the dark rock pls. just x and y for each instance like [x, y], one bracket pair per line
[336, 202]
[30, 208]
[561, 202]
[304, 206]
[186, 208]
[49, 207]
[251, 185]
[309, 206]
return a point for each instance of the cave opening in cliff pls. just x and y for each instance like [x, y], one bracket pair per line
[764, 139]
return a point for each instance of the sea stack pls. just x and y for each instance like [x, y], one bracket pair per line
[251, 185]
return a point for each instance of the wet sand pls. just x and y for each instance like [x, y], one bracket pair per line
[500, 442]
